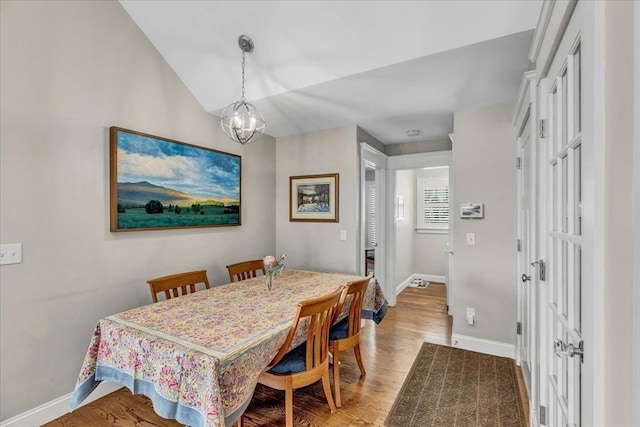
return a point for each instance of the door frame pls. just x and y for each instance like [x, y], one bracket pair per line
[395, 163]
[371, 156]
[636, 215]
[526, 115]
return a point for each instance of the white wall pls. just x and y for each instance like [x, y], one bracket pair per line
[317, 245]
[619, 258]
[69, 70]
[483, 274]
[405, 229]
[430, 249]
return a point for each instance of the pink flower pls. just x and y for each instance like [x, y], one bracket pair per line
[134, 362]
[269, 260]
[104, 349]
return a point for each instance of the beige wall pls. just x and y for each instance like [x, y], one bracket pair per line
[619, 258]
[443, 144]
[405, 229]
[484, 274]
[364, 136]
[317, 245]
[69, 70]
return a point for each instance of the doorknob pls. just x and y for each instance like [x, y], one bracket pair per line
[576, 351]
[563, 349]
[525, 278]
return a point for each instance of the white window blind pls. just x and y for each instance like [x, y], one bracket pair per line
[371, 205]
[399, 207]
[433, 204]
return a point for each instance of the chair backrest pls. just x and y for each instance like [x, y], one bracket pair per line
[356, 291]
[176, 285]
[245, 270]
[317, 313]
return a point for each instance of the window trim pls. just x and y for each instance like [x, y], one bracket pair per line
[431, 228]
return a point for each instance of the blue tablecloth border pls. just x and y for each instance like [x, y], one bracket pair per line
[161, 405]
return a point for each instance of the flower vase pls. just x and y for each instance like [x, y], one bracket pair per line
[269, 281]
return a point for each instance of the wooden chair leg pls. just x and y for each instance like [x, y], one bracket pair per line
[336, 378]
[288, 405]
[327, 392]
[356, 350]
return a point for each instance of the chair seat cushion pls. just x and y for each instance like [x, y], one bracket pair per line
[340, 330]
[292, 362]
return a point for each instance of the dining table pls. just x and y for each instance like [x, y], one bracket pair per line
[198, 357]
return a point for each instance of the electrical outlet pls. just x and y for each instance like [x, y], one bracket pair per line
[11, 254]
[471, 315]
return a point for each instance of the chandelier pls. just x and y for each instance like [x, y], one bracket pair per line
[241, 121]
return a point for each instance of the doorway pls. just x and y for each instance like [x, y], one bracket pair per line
[395, 164]
[421, 218]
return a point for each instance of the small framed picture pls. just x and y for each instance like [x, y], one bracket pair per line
[471, 210]
[314, 198]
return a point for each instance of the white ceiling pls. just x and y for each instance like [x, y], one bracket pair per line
[387, 66]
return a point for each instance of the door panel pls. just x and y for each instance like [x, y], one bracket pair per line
[528, 280]
[562, 173]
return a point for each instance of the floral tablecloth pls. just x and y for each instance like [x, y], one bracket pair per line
[198, 356]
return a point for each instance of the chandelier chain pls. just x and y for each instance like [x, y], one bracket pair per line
[243, 76]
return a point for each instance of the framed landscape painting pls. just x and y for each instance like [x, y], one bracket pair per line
[157, 183]
[314, 198]
[471, 210]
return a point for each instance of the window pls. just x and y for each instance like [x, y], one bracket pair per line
[432, 205]
[371, 214]
[399, 208]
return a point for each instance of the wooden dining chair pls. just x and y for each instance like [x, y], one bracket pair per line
[308, 362]
[346, 333]
[245, 270]
[176, 285]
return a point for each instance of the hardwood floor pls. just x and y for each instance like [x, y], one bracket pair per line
[388, 351]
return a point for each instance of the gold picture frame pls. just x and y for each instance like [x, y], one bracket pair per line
[158, 183]
[314, 198]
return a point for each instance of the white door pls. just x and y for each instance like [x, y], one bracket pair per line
[564, 165]
[527, 282]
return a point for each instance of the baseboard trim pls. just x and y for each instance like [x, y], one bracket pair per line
[430, 277]
[427, 277]
[495, 348]
[56, 408]
[402, 286]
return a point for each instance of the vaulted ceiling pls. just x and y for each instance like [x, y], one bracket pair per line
[387, 66]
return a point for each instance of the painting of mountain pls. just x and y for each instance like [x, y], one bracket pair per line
[157, 183]
[139, 193]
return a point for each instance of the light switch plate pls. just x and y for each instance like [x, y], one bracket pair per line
[343, 234]
[471, 239]
[11, 254]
